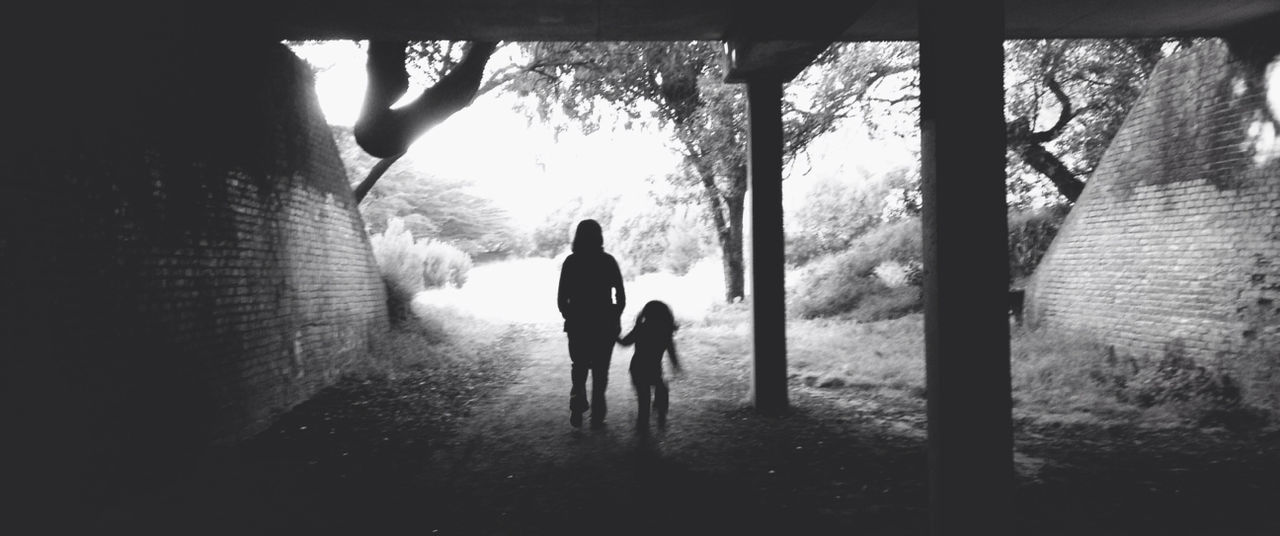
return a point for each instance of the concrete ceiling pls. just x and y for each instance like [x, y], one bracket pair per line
[795, 20]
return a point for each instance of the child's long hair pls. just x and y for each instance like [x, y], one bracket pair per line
[656, 317]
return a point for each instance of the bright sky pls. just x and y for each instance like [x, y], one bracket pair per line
[526, 170]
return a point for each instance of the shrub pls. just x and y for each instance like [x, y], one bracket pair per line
[893, 302]
[896, 274]
[1175, 382]
[848, 283]
[1066, 372]
[1176, 378]
[1030, 234]
[443, 264]
[409, 267]
[897, 241]
[834, 214]
[835, 285]
[400, 264]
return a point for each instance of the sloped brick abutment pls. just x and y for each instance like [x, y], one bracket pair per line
[184, 261]
[1174, 247]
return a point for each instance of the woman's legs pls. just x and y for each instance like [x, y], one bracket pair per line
[601, 358]
[579, 354]
[590, 353]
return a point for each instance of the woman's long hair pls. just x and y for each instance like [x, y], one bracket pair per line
[588, 237]
[656, 317]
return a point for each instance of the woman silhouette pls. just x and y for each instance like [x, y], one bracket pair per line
[591, 299]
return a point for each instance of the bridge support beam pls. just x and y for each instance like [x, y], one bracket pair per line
[966, 268]
[768, 295]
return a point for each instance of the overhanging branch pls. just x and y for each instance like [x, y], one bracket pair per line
[375, 173]
[384, 132]
[1064, 115]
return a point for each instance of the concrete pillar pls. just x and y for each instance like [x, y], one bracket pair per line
[768, 295]
[966, 267]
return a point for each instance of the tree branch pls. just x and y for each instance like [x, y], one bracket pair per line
[375, 173]
[894, 102]
[499, 79]
[708, 179]
[1064, 115]
[382, 131]
[1030, 148]
[1041, 160]
[446, 61]
[1097, 82]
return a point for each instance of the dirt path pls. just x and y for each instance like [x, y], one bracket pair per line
[488, 450]
[526, 470]
[518, 467]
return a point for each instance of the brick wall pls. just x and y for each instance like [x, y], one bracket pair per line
[1175, 243]
[184, 260]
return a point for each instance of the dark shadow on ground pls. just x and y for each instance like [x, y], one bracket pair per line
[494, 454]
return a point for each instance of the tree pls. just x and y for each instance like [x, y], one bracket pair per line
[432, 207]
[688, 240]
[1092, 83]
[555, 234]
[680, 86]
[1064, 100]
[836, 213]
[645, 239]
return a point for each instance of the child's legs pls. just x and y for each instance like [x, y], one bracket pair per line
[661, 397]
[642, 397]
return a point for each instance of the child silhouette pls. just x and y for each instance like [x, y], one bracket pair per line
[652, 336]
